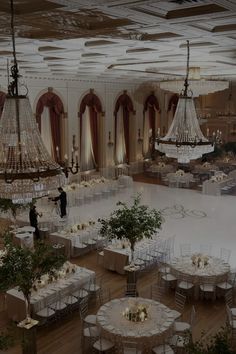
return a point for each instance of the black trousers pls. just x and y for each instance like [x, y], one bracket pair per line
[63, 211]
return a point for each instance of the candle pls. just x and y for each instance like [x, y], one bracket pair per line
[207, 131]
[76, 156]
[57, 152]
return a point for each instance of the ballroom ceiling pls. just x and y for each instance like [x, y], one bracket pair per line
[120, 39]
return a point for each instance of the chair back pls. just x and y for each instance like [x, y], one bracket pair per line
[130, 347]
[131, 290]
[229, 298]
[157, 292]
[185, 249]
[205, 249]
[180, 301]
[192, 316]
[104, 295]
[225, 255]
[83, 308]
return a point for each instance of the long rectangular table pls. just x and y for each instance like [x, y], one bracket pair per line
[15, 299]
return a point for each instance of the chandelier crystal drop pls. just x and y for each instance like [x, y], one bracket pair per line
[184, 140]
[26, 169]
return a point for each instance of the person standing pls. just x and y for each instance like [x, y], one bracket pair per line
[33, 217]
[63, 201]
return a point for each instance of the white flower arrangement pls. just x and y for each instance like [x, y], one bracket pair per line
[206, 165]
[219, 177]
[179, 173]
[66, 269]
[136, 313]
[199, 260]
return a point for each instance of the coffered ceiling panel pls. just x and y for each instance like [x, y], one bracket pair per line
[142, 40]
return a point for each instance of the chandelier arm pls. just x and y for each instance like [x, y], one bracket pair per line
[13, 87]
[186, 84]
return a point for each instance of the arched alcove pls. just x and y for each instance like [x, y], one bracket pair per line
[49, 113]
[90, 112]
[122, 112]
[151, 122]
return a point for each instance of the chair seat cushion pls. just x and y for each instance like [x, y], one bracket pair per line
[103, 345]
[91, 287]
[176, 314]
[58, 306]
[46, 312]
[91, 332]
[70, 300]
[224, 286]
[91, 319]
[208, 288]
[163, 349]
[185, 285]
[169, 277]
[233, 311]
[81, 293]
[181, 326]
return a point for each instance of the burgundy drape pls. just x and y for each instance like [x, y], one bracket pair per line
[55, 105]
[2, 101]
[95, 107]
[173, 102]
[152, 105]
[125, 102]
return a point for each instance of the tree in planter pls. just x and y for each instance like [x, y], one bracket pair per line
[132, 223]
[7, 205]
[22, 267]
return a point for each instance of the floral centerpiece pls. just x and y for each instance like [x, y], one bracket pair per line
[136, 313]
[179, 173]
[199, 260]
[219, 177]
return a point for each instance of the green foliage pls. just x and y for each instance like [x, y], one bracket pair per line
[230, 146]
[22, 266]
[7, 205]
[132, 223]
[216, 344]
[6, 340]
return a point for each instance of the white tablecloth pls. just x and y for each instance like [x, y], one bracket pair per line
[15, 299]
[151, 332]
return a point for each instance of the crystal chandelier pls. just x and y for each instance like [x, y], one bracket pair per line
[26, 169]
[184, 140]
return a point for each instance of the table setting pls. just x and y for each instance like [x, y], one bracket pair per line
[70, 275]
[146, 321]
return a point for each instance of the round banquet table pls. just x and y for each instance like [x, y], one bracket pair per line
[153, 331]
[216, 268]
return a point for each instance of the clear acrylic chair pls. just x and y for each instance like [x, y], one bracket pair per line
[185, 249]
[225, 255]
[180, 301]
[131, 347]
[205, 249]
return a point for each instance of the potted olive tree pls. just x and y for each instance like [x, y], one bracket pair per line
[131, 223]
[22, 267]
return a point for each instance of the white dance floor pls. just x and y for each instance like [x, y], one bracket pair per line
[189, 215]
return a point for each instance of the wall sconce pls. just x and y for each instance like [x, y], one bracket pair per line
[110, 142]
[73, 167]
[140, 138]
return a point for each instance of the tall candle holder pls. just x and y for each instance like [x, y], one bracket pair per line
[72, 167]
